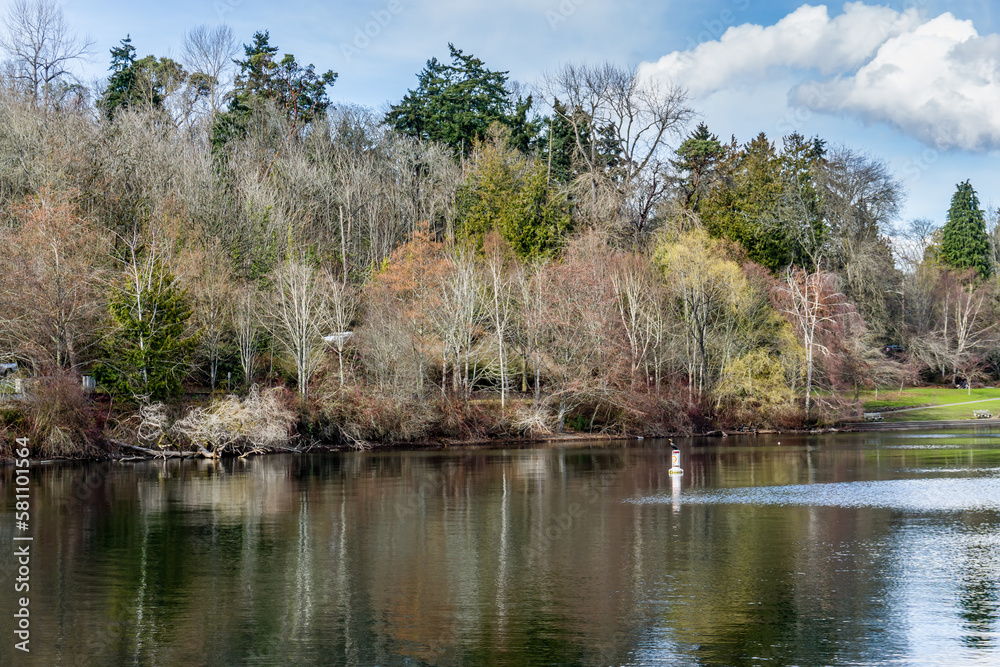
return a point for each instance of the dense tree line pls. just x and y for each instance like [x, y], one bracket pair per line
[581, 254]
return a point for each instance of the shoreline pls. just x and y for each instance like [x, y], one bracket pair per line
[144, 454]
[129, 452]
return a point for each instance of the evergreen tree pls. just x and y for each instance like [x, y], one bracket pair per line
[570, 135]
[558, 145]
[800, 207]
[298, 91]
[257, 69]
[743, 207]
[698, 159]
[456, 104]
[144, 82]
[149, 349]
[122, 91]
[964, 243]
[766, 201]
[508, 192]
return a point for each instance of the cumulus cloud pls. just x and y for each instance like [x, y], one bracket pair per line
[935, 79]
[939, 83]
[805, 39]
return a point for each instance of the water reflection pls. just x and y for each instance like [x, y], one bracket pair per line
[978, 598]
[824, 550]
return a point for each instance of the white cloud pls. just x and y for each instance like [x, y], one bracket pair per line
[936, 80]
[939, 83]
[805, 39]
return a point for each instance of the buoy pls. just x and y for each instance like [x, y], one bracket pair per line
[675, 460]
[675, 491]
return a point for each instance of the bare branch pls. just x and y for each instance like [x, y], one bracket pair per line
[41, 48]
[210, 51]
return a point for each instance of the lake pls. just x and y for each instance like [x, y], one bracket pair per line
[834, 549]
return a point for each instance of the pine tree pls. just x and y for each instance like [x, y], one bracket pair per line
[743, 206]
[762, 199]
[964, 243]
[558, 145]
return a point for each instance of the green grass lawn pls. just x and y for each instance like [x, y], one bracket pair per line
[946, 397]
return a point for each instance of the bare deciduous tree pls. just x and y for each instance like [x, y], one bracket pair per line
[501, 301]
[212, 293]
[299, 317]
[577, 327]
[635, 297]
[459, 319]
[704, 285]
[812, 303]
[49, 277]
[246, 316]
[529, 331]
[911, 241]
[860, 199]
[993, 231]
[42, 48]
[961, 328]
[610, 104]
[210, 51]
[343, 309]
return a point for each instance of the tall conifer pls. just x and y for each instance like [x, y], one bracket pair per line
[964, 243]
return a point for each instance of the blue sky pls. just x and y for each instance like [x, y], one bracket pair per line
[914, 82]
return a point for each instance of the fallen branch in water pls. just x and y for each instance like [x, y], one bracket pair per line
[157, 454]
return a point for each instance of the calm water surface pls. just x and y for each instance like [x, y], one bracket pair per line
[822, 550]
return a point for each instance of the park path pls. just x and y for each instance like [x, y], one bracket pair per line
[973, 424]
[943, 405]
[900, 426]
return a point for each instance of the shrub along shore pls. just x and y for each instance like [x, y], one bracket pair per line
[272, 421]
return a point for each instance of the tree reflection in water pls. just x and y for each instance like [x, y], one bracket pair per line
[523, 556]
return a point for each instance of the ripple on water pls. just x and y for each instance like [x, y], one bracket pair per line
[914, 495]
[946, 471]
[943, 435]
[935, 446]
